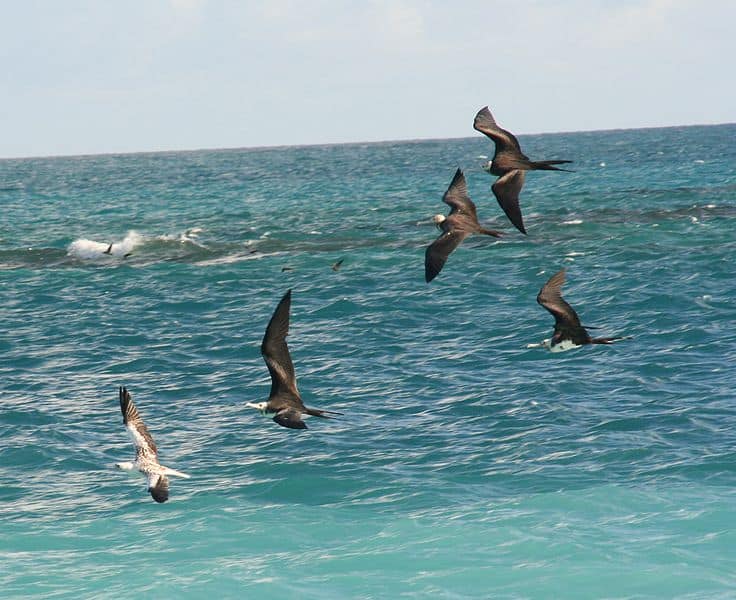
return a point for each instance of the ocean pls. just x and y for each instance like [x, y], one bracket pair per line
[466, 465]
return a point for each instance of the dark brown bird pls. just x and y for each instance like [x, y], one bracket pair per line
[284, 401]
[336, 266]
[509, 164]
[459, 224]
[569, 333]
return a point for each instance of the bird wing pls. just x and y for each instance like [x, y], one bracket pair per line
[486, 124]
[137, 429]
[276, 353]
[158, 486]
[506, 189]
[457, 197]
[438, 251]
[567, 322]
[290, 417]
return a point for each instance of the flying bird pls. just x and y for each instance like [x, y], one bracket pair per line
[109, 250]
[284, 401]
[569, 333]
[459, 224]
[146, 459]
[509, 164]
[336, 266]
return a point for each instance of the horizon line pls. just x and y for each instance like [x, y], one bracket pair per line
[355, 143]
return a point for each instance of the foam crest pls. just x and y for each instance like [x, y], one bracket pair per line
[91, 250]
[186, 237]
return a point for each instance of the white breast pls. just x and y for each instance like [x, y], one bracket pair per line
[563, 346]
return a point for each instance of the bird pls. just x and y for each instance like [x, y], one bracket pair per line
[509, 164]
[459, 224]
[336, 266]
[284, 400]
[109, 250]
[146, 459]
[568, 333]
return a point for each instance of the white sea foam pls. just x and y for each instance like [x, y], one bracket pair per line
[234, 258]
[189, 236]
[92, 250]
[573, 222]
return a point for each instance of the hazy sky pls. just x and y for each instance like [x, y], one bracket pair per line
[110, 76]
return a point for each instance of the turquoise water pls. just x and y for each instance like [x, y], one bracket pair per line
[465, 465]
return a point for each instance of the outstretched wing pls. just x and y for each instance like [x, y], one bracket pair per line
[567, 322]
[158, 486]
[457, 197]
[291, 418]
[276, 353]
[507, 189]
[137, 429]
[486, 124]
[438, 251]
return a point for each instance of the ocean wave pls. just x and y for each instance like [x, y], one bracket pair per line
[87, 249]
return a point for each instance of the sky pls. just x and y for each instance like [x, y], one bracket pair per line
[99, 76]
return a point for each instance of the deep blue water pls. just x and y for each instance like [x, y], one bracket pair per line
[465, 466]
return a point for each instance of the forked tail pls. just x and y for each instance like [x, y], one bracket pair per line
[325, 414]
[609, 340]
[546, 165]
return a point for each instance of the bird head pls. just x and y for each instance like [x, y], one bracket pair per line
[259, 406]
[439, 219]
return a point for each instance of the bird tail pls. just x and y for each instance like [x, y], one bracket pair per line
[547, 165]
[492, 232]
[175, 473]
[609, 340]
[325, 414]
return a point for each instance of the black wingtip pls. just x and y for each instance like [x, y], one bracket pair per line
[483, 119]
[458, 184]
[124, 401]
[159, 495]
[482, 112]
